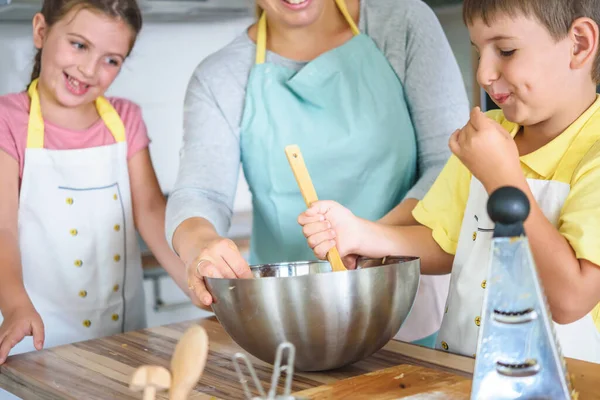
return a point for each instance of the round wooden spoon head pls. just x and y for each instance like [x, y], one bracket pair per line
[150, 379]
[188, 362]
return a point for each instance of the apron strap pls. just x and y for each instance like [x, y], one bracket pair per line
[35, 128]
[261, 36]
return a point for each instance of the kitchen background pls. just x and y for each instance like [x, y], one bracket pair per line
[177, 35]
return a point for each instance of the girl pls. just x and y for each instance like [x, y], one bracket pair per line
[75, 173]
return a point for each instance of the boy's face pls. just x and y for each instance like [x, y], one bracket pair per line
[522, 67]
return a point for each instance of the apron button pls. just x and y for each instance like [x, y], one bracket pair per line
[115, 197]
[477, 321]
[82, 293]
[484, 284]
[445, 346]
[87, 323]
[69, 200]
[446, 310]
[73, 232]
[78, 263]
[116, 288]
[474, 236]
[117, 228]
[117, 258]
[115, 317]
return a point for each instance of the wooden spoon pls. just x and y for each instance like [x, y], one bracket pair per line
[188, 362]
[307, 189]
[150, 379]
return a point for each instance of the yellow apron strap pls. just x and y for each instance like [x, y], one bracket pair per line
[261, 35]
[261, 39]
[111, 119]
[344, 10]
[35, 128]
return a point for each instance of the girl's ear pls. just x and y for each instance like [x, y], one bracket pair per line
[40, 30]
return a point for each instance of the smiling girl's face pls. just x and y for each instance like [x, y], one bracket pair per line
[82, 54]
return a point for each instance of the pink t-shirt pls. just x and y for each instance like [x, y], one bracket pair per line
[14, 118]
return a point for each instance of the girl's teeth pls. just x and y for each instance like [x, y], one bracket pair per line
[295, 1]
[76, 83]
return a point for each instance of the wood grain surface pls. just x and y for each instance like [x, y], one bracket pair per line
[101, 369]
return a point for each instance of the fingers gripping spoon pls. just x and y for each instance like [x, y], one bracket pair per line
[307, 189]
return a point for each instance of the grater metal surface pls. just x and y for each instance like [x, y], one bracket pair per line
[518, 354]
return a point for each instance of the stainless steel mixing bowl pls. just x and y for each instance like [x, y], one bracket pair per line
[332, 318]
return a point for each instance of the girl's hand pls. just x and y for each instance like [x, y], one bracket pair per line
[19, 322]
[220, 258]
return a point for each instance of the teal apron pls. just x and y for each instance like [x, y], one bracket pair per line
[347, 112]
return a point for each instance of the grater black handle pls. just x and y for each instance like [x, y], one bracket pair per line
[508, 208]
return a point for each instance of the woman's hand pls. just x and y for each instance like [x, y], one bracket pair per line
[220, 258]
[21, 321]
[327, 224]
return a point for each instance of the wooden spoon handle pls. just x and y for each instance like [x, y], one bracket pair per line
[309, 194]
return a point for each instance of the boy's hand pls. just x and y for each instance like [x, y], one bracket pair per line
[488, 151]
[327, 224]
[19, 322]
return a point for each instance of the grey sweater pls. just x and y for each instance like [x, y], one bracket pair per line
[406, 31]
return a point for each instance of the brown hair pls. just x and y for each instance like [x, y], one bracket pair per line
[556, 15]
[54, 10]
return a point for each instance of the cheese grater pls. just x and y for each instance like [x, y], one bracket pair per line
[518, 354]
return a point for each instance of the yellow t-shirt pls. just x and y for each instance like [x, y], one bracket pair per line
[443, 207]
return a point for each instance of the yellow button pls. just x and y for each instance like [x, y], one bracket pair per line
[477, 321]
[116, 288]
[117, 257]
[78, 263]
[87, 323]
[73, 232]
[115, 196]
[474, 236]
[82, 293]
[446, 310]
[484, 284]
[474, 355]
[115, 317]
[117, 227]
[69, 200]
[444, 345]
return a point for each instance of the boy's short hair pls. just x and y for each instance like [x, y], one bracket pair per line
[556, 15]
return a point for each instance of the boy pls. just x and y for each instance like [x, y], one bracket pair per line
[539, 62]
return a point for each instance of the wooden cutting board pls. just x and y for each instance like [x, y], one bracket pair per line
[400, 382]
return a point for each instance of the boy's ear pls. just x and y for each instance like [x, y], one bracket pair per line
[39, 30]
[584, 35]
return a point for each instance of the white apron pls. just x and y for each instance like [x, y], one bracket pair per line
[460, 327]
[79, 251]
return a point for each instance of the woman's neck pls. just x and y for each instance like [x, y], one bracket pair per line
[73, 118]
[329, 31]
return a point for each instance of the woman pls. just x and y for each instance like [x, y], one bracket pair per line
[371, 105]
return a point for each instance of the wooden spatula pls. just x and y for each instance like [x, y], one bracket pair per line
[188, 361]
[307, 189]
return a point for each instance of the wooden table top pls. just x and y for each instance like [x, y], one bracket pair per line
[101, 369]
